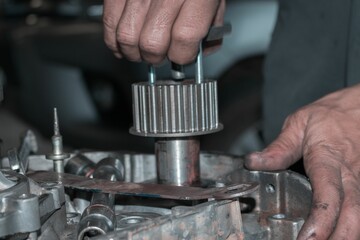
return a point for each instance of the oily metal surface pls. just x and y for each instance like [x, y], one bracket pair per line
[145, 189]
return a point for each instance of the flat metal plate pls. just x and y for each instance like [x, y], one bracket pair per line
[145, 189]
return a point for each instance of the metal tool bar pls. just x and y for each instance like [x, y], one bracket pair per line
[177, 71]
[145, 189]
[218, 32]
[215, 33]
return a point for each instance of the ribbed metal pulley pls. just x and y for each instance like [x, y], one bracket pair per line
[175, 109]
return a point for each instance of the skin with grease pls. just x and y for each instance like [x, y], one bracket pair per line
[325, 133]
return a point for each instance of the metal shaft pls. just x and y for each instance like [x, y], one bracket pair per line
[199, 74]
[58, 166]
[177, 161]
[80, 165]
[151, 74]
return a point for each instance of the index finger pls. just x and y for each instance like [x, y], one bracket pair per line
[325, 178]
[191, 26]
[111, 16]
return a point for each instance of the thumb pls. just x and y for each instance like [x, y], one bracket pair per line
[285, 150]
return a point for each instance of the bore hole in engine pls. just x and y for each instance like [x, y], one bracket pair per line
[247, 204]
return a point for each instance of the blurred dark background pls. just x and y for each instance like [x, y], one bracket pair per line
[52, 54]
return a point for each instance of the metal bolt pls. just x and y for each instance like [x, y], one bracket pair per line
[58, 156]
[199, 75]
[151, 74]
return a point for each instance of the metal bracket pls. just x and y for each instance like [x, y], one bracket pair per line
[145, 189]
[18, 160]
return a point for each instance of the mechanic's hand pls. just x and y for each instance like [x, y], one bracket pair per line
[150, 30]
[326, 134]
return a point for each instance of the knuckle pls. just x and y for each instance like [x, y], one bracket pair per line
[109, 33]
[298, 115]
[126, 38]
[109, 23]
[184, 46]
[152, 46]
[186, 35]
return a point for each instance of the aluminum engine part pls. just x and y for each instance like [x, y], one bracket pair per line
[18, 160]
[214, 220]
[175, 109]
[275, 211]
[18, 206]
[27, 209]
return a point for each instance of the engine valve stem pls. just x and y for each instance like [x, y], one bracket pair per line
[58, 155]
